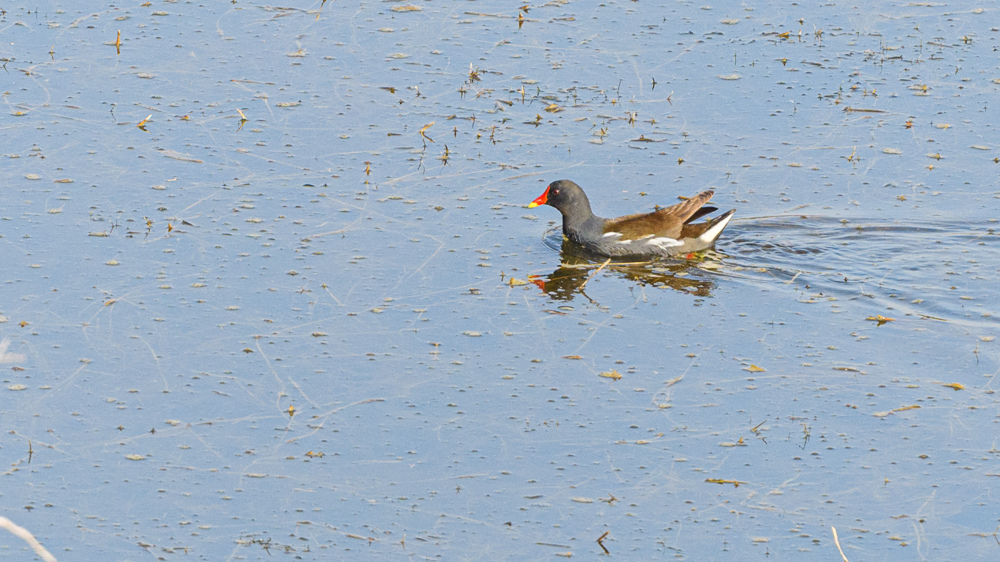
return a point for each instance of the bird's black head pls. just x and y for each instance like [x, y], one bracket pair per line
[563, 195]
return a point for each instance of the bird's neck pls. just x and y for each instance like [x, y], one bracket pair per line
[581, 223]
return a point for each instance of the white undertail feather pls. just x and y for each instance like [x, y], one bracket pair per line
[711, 234]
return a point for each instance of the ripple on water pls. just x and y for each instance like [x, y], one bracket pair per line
[931, 269]
[934, 269]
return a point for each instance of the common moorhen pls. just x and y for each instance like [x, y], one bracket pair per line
[664, 232]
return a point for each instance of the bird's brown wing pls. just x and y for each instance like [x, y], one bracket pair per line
[667, 222]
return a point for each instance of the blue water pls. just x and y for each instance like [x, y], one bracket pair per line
[280, 319]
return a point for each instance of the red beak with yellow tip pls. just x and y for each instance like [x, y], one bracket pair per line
[541, 200]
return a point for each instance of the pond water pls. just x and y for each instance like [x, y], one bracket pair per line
[270, 287]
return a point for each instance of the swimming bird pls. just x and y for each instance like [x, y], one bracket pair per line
[664, 232]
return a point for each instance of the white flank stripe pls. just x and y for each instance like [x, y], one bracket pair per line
[664, 242]
[609, 234]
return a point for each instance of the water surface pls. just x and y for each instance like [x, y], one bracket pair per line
[300, 310]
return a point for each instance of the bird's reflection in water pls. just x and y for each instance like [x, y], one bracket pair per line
[684, 273]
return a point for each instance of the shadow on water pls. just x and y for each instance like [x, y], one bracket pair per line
[577, 266]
